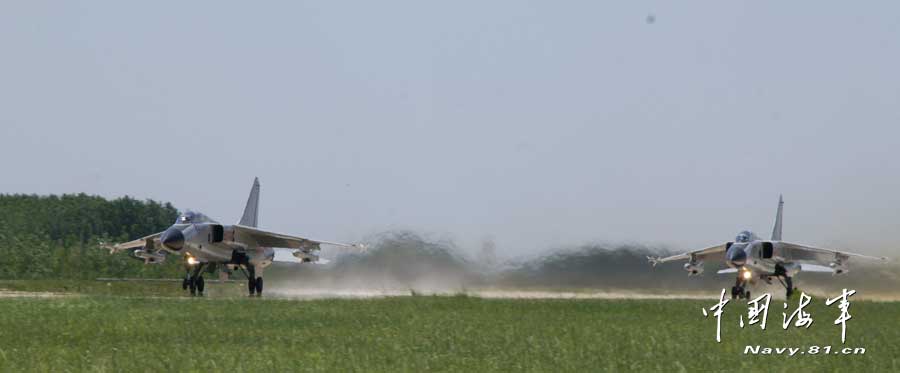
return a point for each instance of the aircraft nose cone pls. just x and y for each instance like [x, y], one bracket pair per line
[172, 239]
[736, 257]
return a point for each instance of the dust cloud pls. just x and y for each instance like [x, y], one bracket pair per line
[405, 263]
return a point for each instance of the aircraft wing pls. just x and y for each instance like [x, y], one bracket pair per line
[715, 253]
[272, 239]
[801, 253]
[136, 244]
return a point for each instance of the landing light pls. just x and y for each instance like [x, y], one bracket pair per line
[747, 275]
[192, 261]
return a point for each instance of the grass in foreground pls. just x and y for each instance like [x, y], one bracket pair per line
[113, 333]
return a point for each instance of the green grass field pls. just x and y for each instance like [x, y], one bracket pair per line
[104, 330]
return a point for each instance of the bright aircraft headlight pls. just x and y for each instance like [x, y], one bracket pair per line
[192, 261]
[747, 275]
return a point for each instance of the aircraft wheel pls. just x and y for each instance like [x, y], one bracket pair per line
[790, 287]
[747, 295]
[185, 283]
[192, 284]
[251, 285]
[734, 292]
[259, 285]
[200, 285]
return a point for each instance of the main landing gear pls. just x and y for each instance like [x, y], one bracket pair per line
[194, 281]
[255, 285]
[784, 279]
[254, 282]
[788, 284]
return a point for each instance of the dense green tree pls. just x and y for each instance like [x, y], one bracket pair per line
[62, 236]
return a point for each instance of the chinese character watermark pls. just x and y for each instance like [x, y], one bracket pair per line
[755, 309]
[758, 312]
[845, 315]
[717, 312]
[804, 319]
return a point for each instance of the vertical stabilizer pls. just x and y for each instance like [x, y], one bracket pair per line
[251, 212]
[776, 232]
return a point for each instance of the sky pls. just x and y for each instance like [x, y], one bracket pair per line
[533, 125]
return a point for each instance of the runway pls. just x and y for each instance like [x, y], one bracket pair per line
[487, 294]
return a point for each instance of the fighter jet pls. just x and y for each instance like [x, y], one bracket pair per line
[753, 259]
[202, 242]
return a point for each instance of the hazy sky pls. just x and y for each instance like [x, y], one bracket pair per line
[536, 125]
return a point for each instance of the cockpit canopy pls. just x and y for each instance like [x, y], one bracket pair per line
[744, 237]
[192, 217]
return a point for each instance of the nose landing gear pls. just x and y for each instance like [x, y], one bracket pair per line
[196, 285]
[194, 281]
[740, 291]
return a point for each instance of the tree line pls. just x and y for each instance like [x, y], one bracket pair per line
[62, 236]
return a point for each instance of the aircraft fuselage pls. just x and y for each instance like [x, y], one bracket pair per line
[214, 243]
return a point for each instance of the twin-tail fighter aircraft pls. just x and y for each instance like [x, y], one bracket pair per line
[752, 259]
[203, 242]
